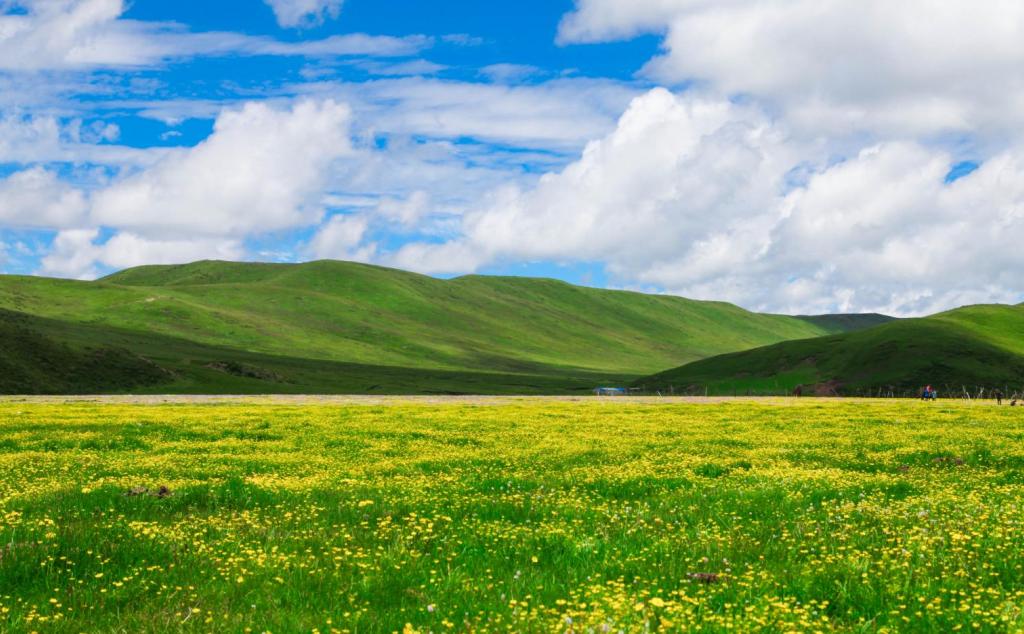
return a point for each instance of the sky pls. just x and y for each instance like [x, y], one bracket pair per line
[794, 156]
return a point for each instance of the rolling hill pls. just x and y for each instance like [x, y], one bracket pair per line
[835, 324]
[335, 327]
[972, 347]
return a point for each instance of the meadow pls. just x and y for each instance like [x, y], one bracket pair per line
[526, 515]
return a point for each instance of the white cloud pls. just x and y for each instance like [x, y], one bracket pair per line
[509, 73]
[408, 212]
[898, 68]
[444, 258]
[559, 114]
[616, 203]
[262, 169]
[81, 34]
[72, 254]
[37, 198]
[341, 238]
[77, 254]
[304, 13]
[885, 232]
[27, 140]
[399, 69]
[126, 250]
[690, 194]
[65, 33]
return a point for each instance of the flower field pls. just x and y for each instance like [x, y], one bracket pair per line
[518, 515]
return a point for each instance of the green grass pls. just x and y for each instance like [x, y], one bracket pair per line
[835, 324]
[529, 516]
[973, 347]
[342, 327]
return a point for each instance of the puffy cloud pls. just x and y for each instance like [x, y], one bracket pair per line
[443, 258]
[895, 67]
[602, 20]
[694, 195]
[72, 254]
[304, 13]
[66, 33]
[77, 34]
[340, 238]
[77, 254]
[884, 231]
[126, 250]
[407, 212]
[38, 198]
[262, 169]
[28, 140]
[618, 203]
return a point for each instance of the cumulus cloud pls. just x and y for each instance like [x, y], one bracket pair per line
[262, 169]
[408, 212]
[897, 67]
[615, 202]
[72, 254]
[27, 139]
[78, 254]
[341, 238]
[304, 13]
[38, 198]
[693, 195]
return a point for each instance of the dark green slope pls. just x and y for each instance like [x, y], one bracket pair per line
[41, 358]
[342, 327]
[48, 356]
[973, 347]
[835, 324]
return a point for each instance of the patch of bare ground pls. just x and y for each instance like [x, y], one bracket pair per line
[332, 399]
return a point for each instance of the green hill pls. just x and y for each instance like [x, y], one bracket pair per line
[973, 347]
[835, 324]
[343, 327]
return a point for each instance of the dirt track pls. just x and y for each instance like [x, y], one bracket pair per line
[315, 399]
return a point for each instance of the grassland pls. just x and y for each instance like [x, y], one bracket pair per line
[524, 515]
[972, 347]
[335, 327]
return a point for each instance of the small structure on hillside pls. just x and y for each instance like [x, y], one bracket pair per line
[611, 391]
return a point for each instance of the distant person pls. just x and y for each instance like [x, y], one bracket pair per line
[929, 394]
[999, 396]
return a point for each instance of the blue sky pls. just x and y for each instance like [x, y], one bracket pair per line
[780, 156]
[173, 101]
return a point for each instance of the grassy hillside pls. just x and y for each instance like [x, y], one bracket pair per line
[835, 324]
[37, 360]
[975, 346]
[342, 327]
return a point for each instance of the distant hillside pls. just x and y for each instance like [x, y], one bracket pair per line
[975, 346]
[835, 324]
[343, 327]
[40, 360]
